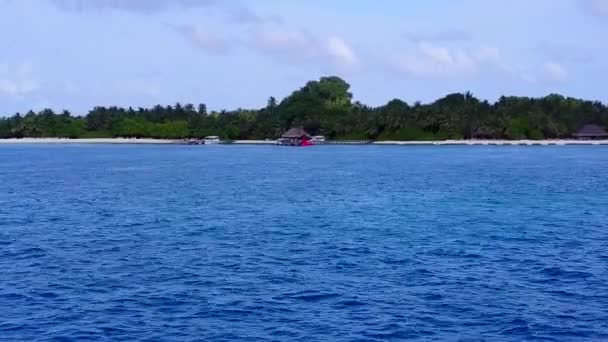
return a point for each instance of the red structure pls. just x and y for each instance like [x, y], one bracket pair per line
[295, 137]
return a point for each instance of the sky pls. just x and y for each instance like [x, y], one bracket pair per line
[77, 54]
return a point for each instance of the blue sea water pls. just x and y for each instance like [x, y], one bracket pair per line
[359, 243]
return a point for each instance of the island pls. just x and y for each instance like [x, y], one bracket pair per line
[325, 107]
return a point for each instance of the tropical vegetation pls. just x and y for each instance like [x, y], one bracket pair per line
[326, 107]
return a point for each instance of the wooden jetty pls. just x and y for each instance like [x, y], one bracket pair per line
[346, 142]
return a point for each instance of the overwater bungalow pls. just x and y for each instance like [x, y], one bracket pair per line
[591, 132]
[295, 137]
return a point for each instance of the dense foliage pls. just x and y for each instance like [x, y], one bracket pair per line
[326, 107]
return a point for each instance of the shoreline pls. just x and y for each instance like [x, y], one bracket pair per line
[149, 141]
[87, 141]
[548, 142]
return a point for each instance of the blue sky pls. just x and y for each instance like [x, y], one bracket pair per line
[77, 54]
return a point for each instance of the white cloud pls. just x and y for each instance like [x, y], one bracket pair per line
[548, 73]
[488, 54]
[292, 46]
[341, 52]
[245, 15]
[435, 54]
[145, 6]
[18, 80]
[268, 35]
[554, 72]
[203, 38]
[429, 60]
[18, 87]
[281, 39]
[299, 45]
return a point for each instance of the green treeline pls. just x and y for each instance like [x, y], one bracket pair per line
[326, 107]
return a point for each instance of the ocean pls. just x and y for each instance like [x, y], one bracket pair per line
[326, 243]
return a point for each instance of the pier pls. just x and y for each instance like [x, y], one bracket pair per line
[346, 142]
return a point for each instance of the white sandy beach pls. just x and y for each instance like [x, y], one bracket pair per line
[87, 141]
[549, 142]
[560, 142]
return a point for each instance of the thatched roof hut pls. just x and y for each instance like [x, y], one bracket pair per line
[591, 132]
[296, 133]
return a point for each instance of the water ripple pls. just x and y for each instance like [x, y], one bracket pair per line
[149, 243]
